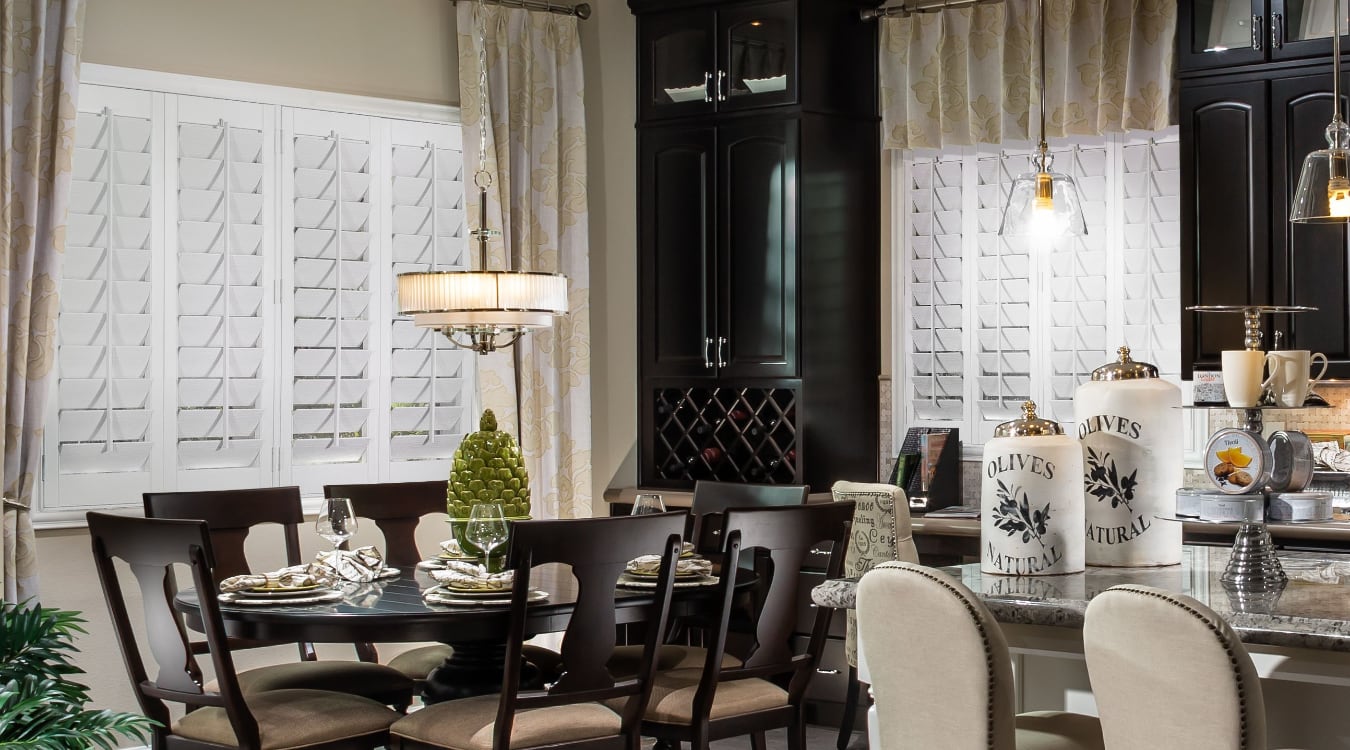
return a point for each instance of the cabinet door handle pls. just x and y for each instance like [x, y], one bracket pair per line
[721, 85]
[707, 357]
[707, 86]
[826, 671]
[721, 342]
[1256, 32]
[1276, 31]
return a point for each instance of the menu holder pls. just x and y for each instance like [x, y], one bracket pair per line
[929, 468]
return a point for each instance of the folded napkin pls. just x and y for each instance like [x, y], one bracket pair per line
[293, 577]
[464, 575]
[650, 565]
[360, 565]
[452, 548]
[1332, 456]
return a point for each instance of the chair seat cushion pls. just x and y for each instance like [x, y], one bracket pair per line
[672, 700]
[292, 719]
[626, 659]
[1057, 730]
[418, 662]
[467, 724]
[375, 681]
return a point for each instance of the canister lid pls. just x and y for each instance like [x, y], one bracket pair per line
[1292, 466]
[1125, 368]
[1029, 425]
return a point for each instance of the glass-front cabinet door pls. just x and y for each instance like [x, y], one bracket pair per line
[677, 65]
[1220, 33]
[1303, 28]
[757, 55]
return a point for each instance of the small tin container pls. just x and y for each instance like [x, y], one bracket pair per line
[1300, 506]
[1188, 501]
[1232, 508]
[1291, 454]
[1237, 461]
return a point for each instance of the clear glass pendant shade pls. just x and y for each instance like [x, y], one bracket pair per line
[1323, 194]
[1044, 206]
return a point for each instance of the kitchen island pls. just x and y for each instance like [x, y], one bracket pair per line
[1299, 637]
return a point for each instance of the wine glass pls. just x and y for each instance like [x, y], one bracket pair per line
[643, 504]
[486, 530]
[337, 521]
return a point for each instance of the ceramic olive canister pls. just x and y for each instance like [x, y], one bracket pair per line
[1130, 426]
[1031, 499]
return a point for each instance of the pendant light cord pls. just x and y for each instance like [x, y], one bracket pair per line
[1336, 62]
[1041, 90]
[482, 177]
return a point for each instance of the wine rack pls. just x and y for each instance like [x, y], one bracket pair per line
[727, 434]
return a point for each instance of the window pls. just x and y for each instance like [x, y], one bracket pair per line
[228, 309]
[984, 322]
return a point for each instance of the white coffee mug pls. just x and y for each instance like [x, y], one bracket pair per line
[1242, 370]
[1288, 378]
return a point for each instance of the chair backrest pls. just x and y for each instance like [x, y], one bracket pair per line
[1148, 651]
[597, 550]
[882, 532]
[941, 673]
[396, 508]
[783, 538]
[150, 547]
[713, 499]
[230, 515]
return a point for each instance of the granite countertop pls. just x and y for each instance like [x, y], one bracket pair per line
[1313, 611]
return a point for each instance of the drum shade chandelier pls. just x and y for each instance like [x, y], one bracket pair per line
[482, 310]
[1323, 194]
[1043, 204]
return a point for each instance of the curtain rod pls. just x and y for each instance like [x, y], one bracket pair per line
[580, 10]
[931, 6]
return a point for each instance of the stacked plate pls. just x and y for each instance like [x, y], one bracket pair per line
[448, 593]
[283, 595]
[690, 570]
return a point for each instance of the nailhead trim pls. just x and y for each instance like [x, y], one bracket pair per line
[1221, 636]
[984, 639]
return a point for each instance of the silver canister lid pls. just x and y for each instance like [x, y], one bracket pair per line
[1029, 425]
[1291, 466]
[1125, 368]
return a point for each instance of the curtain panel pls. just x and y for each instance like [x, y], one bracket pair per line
[39, 72]
[536, 156]
[965, 76]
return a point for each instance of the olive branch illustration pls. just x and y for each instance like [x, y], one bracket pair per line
[1104, 482]
[1014, 514]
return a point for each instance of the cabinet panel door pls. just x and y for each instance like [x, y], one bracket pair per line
[676, 63]
[757, 55]
[757, 248]
[676, 257]
[1225, 214]
[1310, 259]
[1221, 33]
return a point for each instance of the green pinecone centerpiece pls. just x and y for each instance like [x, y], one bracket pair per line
[488, 468]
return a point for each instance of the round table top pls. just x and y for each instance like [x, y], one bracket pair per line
[392, 610]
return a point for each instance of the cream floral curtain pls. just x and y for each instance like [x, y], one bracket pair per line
[964, 76]
[39, 71]
[536, 154]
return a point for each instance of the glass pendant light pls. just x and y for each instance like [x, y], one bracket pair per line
[1043, 205]
[482, 310]
[1323, 194]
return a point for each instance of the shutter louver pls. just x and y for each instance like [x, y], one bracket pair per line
[1151, 185]
[934, 278]
[220, 296]
[428, 377]
[106, 331]
[331, 398]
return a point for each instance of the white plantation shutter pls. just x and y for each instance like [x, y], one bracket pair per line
[224, 176]
[105, 393]
[429, 380]
[1025, 321]
[331, 159]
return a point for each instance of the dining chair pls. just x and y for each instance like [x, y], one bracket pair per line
[714, 700]
[587, 706]
[941, 672]
[881, 532]
[230, 515]
[1147, 651]
[228, 716]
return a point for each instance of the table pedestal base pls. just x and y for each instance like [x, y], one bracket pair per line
[474, 669]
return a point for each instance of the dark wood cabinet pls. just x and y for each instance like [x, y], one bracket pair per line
[1243, 140]
[1222, 34]
[759, 261]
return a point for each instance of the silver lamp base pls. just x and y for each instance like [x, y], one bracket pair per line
[1253, 564]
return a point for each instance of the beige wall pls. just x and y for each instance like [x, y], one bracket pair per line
[399, 49]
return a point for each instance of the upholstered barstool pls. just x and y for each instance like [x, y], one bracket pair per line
[941, 673]
[1168, 672]
[881, 533]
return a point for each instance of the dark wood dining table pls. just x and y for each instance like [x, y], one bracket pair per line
[393, 611]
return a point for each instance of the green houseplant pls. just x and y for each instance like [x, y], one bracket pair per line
[40, 707]
[487, 468]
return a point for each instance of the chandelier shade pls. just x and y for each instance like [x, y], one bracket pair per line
[1043, 205]
[516, 298]
[1323, 193]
